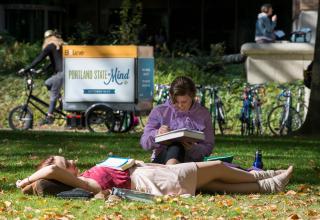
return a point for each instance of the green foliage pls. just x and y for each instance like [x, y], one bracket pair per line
[14, 56]
[206, 69]
[21, 151]
[130, 22]
[83, 34]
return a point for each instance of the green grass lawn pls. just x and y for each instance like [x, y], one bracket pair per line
[20, 152]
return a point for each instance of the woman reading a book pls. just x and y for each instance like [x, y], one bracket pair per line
[180, 111]
[158, 179]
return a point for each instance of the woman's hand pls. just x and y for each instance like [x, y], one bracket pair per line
[22, 183]
[274, 18]
[103, 194]
[163, 129]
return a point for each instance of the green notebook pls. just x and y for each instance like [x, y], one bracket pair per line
[227, 158]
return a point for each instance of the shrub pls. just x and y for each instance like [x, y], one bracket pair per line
[17, 55]
[130, 22]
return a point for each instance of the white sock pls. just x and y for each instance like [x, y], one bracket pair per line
[261, 175]
[276, 183]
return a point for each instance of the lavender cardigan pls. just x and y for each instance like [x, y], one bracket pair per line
[197, 118]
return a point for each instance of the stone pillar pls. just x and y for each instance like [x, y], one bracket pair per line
[2, 22]
[308, 5]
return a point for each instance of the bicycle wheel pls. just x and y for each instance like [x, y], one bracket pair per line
[244, 129]
[258, 121]
[100, 118]
[123, 121]
[221, 118]
[278, 124]
[20, 118]
[244, 125]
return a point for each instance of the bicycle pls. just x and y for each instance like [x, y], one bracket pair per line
[21, 117]
[251, 113]
[161, 93]
[301, 107]
[216, 109]
[284, 119]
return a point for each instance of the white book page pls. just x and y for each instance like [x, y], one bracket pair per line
[113, 162]
[179, 130]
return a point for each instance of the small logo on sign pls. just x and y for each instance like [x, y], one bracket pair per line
[71, 52]
[115, 76]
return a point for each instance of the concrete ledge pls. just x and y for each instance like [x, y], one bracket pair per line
[276, 62]
[284, 48]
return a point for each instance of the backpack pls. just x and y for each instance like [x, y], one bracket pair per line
[301, 36]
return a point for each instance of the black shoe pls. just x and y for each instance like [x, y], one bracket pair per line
[48, 120]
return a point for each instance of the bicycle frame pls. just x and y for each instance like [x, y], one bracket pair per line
[215, 108]
[217, 103]
[286, 121]
[32, 100]
[162, 92]
[251, 110]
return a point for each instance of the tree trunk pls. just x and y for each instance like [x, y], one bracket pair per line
[311, 125]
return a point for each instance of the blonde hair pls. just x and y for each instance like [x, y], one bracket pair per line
[57, 41]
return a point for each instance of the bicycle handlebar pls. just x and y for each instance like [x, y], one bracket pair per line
[29, 72]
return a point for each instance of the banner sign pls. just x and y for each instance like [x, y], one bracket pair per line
[99, 79]
[145, 78]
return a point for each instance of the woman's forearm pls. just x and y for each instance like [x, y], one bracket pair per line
[54, 172]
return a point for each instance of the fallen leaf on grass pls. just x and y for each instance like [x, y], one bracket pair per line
[254, 196]
[225, 203]
[291, 193]
[102, 146]
[33, 157]
[28, 209]
[4, 179]
[272, 207]
[303, 188]
[312, 213]
[8, 204]
[293, 217]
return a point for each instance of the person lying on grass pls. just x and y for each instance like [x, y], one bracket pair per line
[157, 179]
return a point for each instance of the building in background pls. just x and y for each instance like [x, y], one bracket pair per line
[207, 21]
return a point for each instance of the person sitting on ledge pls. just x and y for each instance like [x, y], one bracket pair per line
[158, 179]
[180, 111]
[265, 26]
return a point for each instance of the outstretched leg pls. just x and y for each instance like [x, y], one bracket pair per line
[227, 179]
[217, 186]
[216, 170]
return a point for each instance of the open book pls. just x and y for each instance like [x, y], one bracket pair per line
[182, 134]
[118, 163]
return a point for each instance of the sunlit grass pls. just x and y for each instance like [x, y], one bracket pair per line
[21, 151]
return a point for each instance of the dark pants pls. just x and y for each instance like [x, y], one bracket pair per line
[54, 85]
[173, 151]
